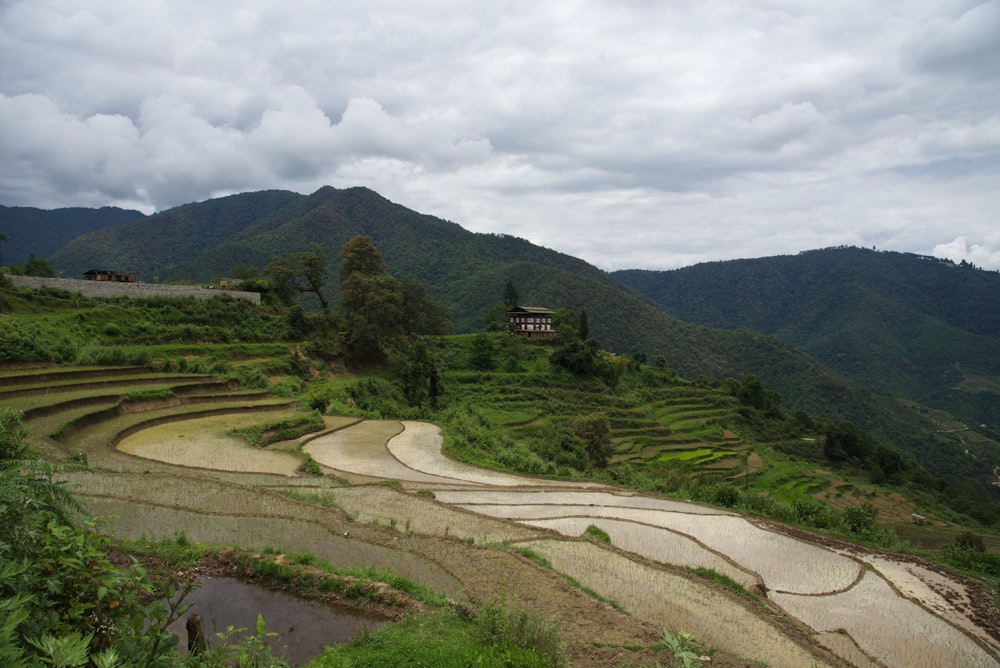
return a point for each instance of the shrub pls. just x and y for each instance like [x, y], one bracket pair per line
[598, 534]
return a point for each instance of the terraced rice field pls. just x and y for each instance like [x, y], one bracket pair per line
[162, 469]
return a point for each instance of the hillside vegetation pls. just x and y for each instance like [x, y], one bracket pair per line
[145, 388]
[913, 326]
[464, 272]
[42, 232]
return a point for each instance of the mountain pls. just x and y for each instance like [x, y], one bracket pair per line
[467, 273]
[42, 232]
[909, 325]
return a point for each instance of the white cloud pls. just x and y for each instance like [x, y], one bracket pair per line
[985, 253]
[630, 134]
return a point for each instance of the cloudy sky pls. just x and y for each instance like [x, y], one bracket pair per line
[630, 133]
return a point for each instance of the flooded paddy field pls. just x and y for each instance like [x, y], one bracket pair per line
[823, 605]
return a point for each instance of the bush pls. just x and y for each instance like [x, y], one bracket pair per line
[62, 600]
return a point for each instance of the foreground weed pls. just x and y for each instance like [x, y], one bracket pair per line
[504, 626]
[685, 647]
[441, 639]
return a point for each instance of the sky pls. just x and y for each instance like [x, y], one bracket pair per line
[647, 134]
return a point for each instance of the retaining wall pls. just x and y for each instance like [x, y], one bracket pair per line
[137, 290]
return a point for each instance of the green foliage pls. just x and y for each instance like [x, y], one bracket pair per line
[148, 395]
[441, 638]
[379, 399]
[510, 296]
[503, 626]
[62, 600]
[33, 266]
[907, 325]
[262, 435]
[419, 375]
[64, 327]
[20, 344]
[42, 232]
[886, 319]
[243, 651]
[971, 559]
[482, 356]
[594, 431]
[304, 272]
[685, 647]
[310, 467]
[596, 533]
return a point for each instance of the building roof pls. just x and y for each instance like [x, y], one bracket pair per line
[538, 310]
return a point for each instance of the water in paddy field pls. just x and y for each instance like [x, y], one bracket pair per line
[304, 627]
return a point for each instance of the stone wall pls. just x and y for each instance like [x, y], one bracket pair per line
[137, 290]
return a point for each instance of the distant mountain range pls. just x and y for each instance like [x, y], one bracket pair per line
[41, 232]
[909, 325]
[847, 333]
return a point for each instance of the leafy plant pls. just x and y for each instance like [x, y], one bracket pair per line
[685, 647]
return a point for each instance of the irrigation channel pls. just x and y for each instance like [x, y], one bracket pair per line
[392, 499]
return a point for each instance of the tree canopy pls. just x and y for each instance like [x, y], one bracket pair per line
[304, 272]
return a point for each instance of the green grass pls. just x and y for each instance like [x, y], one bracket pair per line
[598, 534]
[262, 435]
[494, 635]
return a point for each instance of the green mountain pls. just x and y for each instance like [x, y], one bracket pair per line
[909, 325]
[467, 272]
[41, 232]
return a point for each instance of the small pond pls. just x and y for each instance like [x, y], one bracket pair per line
[304, 627]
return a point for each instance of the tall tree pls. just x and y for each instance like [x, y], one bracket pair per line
[3, 238]
[595, 432]
[510, 296]
[304, 272]
[421, 314]
[371, 300]
[360, 255]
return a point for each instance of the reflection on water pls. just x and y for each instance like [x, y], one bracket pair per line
[304, 627]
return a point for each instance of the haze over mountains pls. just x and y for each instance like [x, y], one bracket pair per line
[821, 328]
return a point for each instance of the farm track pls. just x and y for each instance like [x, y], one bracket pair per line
[445, 524]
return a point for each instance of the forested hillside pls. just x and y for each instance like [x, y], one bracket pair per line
[41, 232]
[909, 325]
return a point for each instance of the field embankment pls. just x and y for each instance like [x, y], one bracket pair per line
[750, 589]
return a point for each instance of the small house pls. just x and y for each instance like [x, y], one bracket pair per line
[533, 322]
[108, 275]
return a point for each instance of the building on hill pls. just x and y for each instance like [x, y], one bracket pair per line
[108, 275]
[533, 322]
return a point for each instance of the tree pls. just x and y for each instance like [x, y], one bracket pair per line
[379, 311]
[421, 380]
[373, 311]
[482, 355]
[371, 301]
[34, 266]
[584, 325]
[595, 432]
[421, 314]
[844, 441]
[360, 256]
[510, 296]
[3, 239]
[304, 272]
